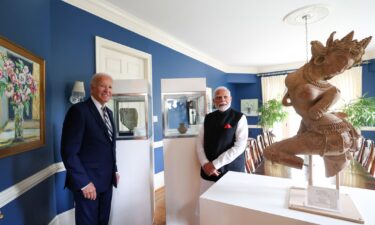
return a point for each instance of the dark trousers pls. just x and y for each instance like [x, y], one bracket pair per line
[93, 212]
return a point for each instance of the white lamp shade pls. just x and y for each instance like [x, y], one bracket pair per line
[78, 92]
[79, 87]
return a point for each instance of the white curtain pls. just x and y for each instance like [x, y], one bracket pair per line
[273, 87]
[350, 85]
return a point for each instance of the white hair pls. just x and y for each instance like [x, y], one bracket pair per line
[97, 76]
[221, 88]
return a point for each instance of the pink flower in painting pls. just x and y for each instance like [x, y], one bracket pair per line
[9, 90]
[16, 81]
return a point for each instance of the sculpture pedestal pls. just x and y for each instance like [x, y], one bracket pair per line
[347, 209]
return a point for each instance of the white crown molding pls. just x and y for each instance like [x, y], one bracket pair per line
[369, 55]
[281, 67]
[109, 12]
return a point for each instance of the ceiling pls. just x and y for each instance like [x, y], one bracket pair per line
[248, 33]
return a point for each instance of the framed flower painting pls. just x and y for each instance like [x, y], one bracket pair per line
[22, 90]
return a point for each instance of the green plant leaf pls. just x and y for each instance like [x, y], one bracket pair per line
[271, 112]
[361, 112]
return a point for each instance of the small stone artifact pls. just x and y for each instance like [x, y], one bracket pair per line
[129, 118]
[321, 132]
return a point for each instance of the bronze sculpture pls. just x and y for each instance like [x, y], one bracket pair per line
[321, 132]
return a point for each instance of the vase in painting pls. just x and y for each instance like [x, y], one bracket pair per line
[18, 122]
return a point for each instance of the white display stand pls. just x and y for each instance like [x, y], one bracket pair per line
[182, 180]
[242, 199]
[132, 201]
[181, 165]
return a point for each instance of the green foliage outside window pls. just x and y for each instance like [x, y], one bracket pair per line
[271, 112]
[361, 112]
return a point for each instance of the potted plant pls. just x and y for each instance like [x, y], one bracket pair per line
[271, 112]
[361, 112]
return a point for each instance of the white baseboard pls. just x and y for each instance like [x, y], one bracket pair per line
[159, 180]
[65, 218]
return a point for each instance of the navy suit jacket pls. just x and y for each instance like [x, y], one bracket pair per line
[86, 149]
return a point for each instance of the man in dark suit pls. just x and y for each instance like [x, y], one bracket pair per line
[88, 151]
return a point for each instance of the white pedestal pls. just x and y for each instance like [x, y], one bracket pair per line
[182, 180]
[242, 199]
[133, 200]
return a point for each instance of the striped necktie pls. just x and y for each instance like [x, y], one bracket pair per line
[107, 122]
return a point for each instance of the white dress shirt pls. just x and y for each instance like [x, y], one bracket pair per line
[98, 106]
[230, 154]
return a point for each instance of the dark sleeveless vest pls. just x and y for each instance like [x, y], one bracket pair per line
[220, 135]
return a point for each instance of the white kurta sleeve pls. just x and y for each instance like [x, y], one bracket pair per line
[200, 149]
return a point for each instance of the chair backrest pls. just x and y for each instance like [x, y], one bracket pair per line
[249, 160]
[268, 138]
[257, 154]
[261, 143]
[368, 161]
[271, 137]
[372, 166]
[265, 138]
[359, 155]
[366, 153]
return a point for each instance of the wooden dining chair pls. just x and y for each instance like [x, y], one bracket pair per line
[368, 161]
[249, 160]
[359, 154]
[366, 153]
[261, 143]
[372, 167]
[257, 153]
[268, 137]
[265, 138]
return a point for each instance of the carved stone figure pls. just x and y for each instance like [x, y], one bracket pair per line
[129, 117]
[309, 92]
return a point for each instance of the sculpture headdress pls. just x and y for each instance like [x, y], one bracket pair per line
[346, 45]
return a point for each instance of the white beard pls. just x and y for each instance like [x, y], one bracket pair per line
[223, 108]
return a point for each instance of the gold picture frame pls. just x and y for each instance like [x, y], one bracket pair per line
[22, 99]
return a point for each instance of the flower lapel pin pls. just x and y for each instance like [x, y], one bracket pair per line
[227, 126]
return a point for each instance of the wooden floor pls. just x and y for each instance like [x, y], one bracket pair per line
[159, 218]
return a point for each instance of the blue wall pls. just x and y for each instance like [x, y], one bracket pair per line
[27, 23]
[65, 37]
